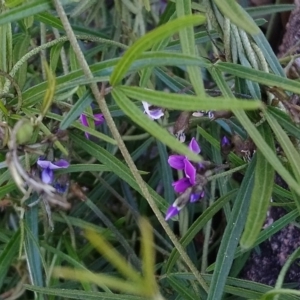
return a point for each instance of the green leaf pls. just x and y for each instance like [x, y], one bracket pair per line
[256, 136]
[166, 172]
[285, 121]
[76, 124]
[55, 55]
[181, 288]
[232, 10]
[78, 168]
[116, 166]
[33, 95]
[5, 189]
[21, 48]
[148, 40]
[261, 195]
[260, 76]
[232, 234]
[49, 19]
[77, 294]
[32, 250]
[266, 150]
[149, 125]
[244, 288]
[195, 228]
[187, 42]
[187, 102]
[27, 9]
[74, 65]
[8, 255]
[267, 233]
[263, 10]
[76, 110]
[216, 144]
[291, 153]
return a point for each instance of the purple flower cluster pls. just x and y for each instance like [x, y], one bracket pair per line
[181, 162]
[47, 167]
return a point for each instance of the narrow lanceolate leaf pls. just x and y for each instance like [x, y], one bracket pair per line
[260, 76]
[148, 40]
[27, 9]
[289, 149]
[8, 255]
[237, 15]
[188, 102]
[285, 121]
[77, 294]
[48, 97]
[261, 195]
[266, 150]
[195, 228]
[32, 250]
[76, 110]
[115, 165]
[152, 127]
[232, 234]
[187, 42]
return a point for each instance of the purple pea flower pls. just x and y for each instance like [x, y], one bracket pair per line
[98, 119]
[181, 162]
[48, 167]
[172, 212]
[153, 112]
[225, 141]
[181, 202]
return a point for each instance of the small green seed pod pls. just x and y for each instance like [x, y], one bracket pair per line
[24, 133]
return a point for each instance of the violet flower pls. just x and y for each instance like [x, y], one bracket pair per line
[180, 203]
[47, 175]
[153, 112]
[172, 212]
[225, 141]
[181, 162]
[98, 119]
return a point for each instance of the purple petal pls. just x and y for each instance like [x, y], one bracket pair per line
[171, 212]
[43, 163]
[146, 105]
[197, 196]
[152, 113]
[83, 120]
[190, 171]
[181, 185]
[47, 176]
[99, 119]
[60, 164]
[176, 161]
[194, 146]
[225, 141]
[155, 114]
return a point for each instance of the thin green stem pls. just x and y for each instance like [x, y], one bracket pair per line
[115, 133]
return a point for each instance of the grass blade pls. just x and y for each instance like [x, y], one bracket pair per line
[262, 191]
[232, 234]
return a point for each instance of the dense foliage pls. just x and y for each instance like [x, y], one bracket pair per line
[144, 144]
